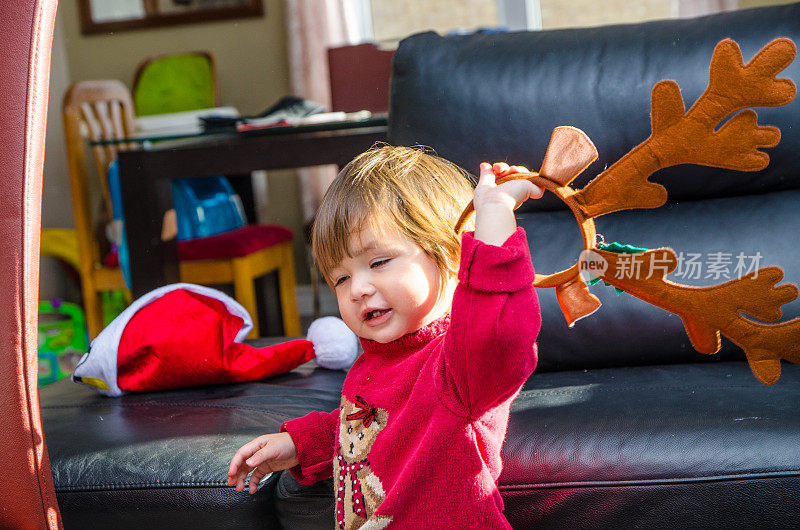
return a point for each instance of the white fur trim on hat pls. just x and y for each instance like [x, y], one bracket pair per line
[335, 345]
[100, 362]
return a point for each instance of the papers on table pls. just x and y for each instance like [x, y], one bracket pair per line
[323, 117]
[180, 123]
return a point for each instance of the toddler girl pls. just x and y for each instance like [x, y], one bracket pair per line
[448, 328]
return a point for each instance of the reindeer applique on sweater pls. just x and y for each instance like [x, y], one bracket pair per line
[359, 491]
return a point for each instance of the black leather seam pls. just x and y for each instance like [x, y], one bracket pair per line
[654, 482]
[142, 485]
[545, 392]
[156, 485]
[116, 403]
[192, 405]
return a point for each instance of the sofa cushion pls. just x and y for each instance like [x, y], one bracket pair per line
[495, 97]
[161, 459]
[626, 331]
[583, 449]
[654, 447]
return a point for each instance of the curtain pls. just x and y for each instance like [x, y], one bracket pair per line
[313, 26]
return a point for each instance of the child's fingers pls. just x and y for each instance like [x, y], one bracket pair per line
[521, 190]
[238, 464]
[255, 478]
[487, 176]
[237, 479]
[241, 455]
[525, 189]
[534, 191]
[266, 453]
[240, 480]
[500, 169]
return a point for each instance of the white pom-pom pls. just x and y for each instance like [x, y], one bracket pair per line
[335, 346]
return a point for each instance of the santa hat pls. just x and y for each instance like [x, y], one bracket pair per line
[187, 335]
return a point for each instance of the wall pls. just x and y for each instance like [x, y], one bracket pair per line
[252, 72]
[56, 211]
[250, 53]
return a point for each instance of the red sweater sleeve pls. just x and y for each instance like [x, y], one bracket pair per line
[314, 435]
[490, 348]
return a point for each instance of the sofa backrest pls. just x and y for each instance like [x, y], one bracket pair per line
[497, 97]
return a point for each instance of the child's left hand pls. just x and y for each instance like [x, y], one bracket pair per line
[495, 204]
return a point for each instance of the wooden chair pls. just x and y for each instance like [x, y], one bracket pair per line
[174, 83]
[104, 110]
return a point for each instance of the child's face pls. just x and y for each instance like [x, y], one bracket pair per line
[388, 288]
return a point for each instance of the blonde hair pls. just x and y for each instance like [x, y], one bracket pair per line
[419, 194]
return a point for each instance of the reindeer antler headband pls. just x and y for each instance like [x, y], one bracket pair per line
[680, 137]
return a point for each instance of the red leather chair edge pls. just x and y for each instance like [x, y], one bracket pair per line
[27, 497]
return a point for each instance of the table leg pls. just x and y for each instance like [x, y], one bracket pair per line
[153, 263]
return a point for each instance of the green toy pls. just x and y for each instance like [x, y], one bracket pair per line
[62, 339]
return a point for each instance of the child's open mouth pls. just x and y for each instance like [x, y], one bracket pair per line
[377, 316]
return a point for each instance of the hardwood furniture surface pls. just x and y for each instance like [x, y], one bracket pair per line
[145, 178]
[103, 110]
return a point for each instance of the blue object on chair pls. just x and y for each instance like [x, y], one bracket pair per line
[115, 191]
[204, 206]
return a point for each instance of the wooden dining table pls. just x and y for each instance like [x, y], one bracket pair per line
[145, 175]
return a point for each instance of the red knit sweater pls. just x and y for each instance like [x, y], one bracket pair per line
[416, 440]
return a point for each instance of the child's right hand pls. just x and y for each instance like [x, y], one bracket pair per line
[495, 203]
[265, 454]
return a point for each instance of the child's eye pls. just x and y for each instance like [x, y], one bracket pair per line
[339, 280]
[377, 263]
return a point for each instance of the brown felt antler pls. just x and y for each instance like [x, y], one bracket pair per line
[680, 137]
[707, 311]
[690, 138]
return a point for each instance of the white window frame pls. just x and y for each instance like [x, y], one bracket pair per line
[519, 15]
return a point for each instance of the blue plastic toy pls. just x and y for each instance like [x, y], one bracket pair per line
[204, 206]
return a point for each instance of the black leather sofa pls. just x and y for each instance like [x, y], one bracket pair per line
[623, 425]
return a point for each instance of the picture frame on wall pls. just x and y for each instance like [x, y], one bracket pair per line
[104, 16]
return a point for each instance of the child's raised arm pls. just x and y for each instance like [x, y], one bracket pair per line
[490, 348]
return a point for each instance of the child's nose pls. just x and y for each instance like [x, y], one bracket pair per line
[361, 286]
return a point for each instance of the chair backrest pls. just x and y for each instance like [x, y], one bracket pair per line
[93, 110]
[27, 496]
[359, 77]
[175, 83]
